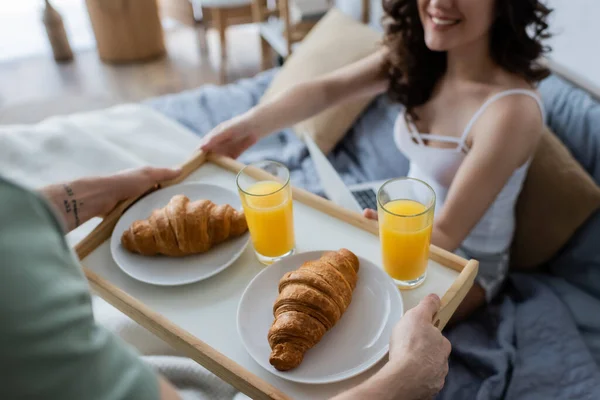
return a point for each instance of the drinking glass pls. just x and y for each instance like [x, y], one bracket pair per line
[405, 208]
[269, 210]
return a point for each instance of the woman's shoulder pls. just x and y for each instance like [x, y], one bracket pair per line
[518, 107]
[515, 115]
[514, 101]
[518, 89]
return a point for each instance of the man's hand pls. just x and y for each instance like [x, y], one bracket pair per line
[418, 359]
[420, 351]
[80, 200]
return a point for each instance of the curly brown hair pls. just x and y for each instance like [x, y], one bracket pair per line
[414, 69]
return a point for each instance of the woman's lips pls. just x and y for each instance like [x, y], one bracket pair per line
[443, 22]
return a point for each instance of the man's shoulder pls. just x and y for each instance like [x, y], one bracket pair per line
[24, 206]
[10, 187]
[15, 196]
[46, 313]
[32, 243]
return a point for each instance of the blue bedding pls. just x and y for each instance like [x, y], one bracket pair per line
[540, 338]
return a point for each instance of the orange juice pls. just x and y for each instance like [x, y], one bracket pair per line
[405, 238]
[268, 209]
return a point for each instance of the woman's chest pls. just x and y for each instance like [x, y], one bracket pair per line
[447, 114]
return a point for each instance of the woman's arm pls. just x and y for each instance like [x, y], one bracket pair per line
[302, 101]
[80, 200]
[504, 138]
[362, 78]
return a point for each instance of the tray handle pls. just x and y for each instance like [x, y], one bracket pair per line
[456, 294]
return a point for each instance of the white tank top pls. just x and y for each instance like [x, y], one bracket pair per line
[438, 166]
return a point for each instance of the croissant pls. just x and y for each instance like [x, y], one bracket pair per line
[183, 227]
[311, 300]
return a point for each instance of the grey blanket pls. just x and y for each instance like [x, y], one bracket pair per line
[540, 338]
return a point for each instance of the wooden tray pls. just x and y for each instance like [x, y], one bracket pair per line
[199, 319]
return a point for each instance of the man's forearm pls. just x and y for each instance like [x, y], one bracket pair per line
[78, 201]
[387, 384]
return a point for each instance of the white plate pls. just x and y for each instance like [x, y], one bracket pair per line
[170, 271]
[358, 341]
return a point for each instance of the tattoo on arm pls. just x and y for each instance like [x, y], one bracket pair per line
[72, 206]
[75, 212]
[68, 190]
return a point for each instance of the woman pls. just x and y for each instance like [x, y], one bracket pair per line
[465, 71]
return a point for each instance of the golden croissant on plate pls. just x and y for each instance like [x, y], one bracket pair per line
[184, 227]
[311, 300]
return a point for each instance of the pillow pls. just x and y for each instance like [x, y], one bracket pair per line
[558, 196]
[574, 117]
[335, 41]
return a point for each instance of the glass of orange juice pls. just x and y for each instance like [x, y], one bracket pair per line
[405, 208]
[268, 209]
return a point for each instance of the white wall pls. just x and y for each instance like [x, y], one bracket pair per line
[576, 42]
[354, 8]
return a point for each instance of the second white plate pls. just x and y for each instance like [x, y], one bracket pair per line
[170, 271]
[358, 341]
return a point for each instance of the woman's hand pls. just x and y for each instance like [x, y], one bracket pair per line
[370, 214]
[80, 200]
[231, 138]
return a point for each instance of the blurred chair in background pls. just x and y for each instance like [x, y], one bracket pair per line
[284, 23]
[210, 14]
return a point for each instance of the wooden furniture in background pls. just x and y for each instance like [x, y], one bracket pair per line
[276, 30]
[208, 14]
[220, 15]
[179, 10]
[126, 30]
[260, 14]
[188, 14]
[57, 36]
[27, 95]
[366, 11]
[279, 33]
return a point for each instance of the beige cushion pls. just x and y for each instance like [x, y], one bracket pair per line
[558, 196]
[334, 42]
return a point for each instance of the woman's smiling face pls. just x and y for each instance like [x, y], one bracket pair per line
[449, 24]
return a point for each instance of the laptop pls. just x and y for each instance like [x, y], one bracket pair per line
[354, 197]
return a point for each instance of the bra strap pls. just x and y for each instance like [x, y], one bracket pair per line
[492, 99]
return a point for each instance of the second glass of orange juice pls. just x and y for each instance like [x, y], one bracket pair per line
[405, 209]
[269, 211]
